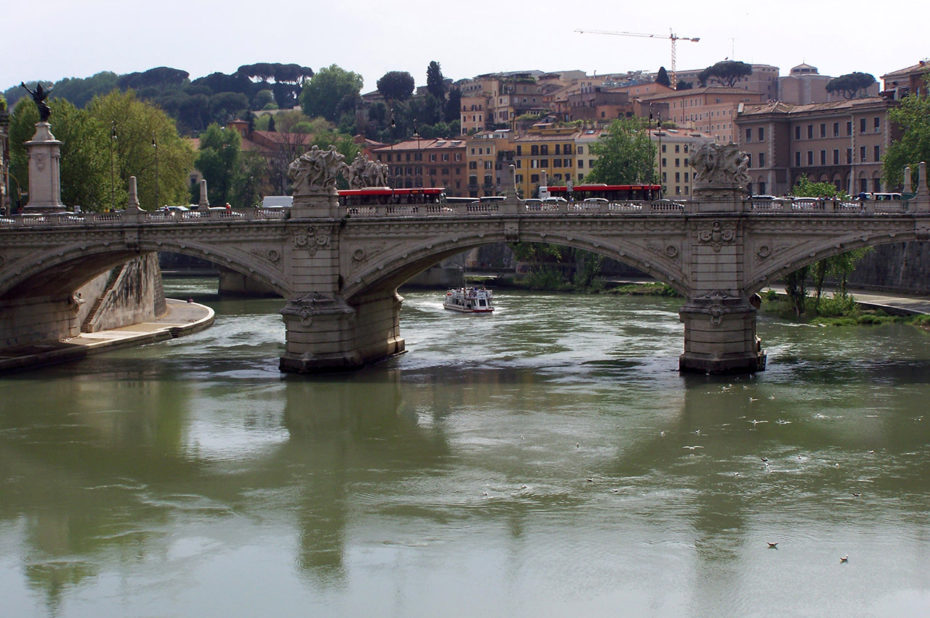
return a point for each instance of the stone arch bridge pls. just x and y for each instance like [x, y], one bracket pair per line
[339, 268]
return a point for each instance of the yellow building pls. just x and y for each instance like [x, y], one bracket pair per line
[550, 149]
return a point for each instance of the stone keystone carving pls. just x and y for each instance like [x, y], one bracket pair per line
[364, 172]
[316, 170]
[721, 165]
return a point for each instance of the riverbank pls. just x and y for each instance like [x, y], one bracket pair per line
[181, 318]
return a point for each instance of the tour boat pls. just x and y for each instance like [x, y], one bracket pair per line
[468, 300]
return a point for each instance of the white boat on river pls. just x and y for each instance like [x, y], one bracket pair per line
[469, 300]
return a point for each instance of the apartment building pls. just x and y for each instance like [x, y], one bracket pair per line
[550, 149]
[673, 153]
[488, 157]
[841, 142]
[906, 81]
[419, 162]
[711, 110]
[763, 80]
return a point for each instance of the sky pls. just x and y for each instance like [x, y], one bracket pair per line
[68, 38]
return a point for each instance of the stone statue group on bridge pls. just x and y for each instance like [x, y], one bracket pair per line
[317, 170]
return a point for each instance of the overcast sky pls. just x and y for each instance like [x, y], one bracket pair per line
[77, 38]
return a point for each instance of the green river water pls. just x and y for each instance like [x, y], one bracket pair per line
[546, 460]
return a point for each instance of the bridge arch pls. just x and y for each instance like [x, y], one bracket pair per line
[62, 270]
[398, 264]
[822, 248]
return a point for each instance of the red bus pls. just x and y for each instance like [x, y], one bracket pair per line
[373, 196]
[611, 193]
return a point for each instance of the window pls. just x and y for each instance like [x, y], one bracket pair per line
[519, 150]
[686, 150]
[836, 129]
[519, 178]
[862, 125]
[797, 159]
[848, 156]
[749, 159]
[877, 123]
[544, 149]
[848, 128]
[664, 162]
[677, 149]
[823, 129]
[472, 165]
[761, 159]
[534, 178]
[877, 154]
[810, 131]
[557, 148]
[836, 156]
[677, 162]
[580, 149]
[580, 163]
[823, 157]
[663, 147]
[677, 176]
[797, 132]
[761, 134]
[810, 157]
[686, 179]
[862, 157]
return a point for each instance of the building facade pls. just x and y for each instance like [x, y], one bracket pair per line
[840, 142]
[419, 162]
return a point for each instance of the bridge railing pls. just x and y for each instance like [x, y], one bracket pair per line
[817, 205]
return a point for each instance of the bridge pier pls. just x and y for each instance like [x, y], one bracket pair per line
[324, 333]
[720, 336]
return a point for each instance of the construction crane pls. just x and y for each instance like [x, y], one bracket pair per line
[674, 38]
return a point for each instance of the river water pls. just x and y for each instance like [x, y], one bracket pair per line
[547, 460]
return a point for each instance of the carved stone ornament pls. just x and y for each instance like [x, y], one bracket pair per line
[316, 171]
[717, 235]
[314, 304]
[719, 165]
[310, 239]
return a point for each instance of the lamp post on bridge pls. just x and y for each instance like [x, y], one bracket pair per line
[155, 148]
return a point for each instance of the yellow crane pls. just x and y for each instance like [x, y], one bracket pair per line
[674, 38]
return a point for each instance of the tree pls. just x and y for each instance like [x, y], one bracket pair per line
[851, 84]
[435, 83]
[454, 105]
[144, 134]
[662, 78]
[625, 154]
[396, 85]
[330, 93]
[218, 161]
[725, 72]
[912, 117]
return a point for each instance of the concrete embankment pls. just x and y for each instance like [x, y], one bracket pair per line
[180, 318]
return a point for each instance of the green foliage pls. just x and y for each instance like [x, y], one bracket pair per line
[850, 84]
[95, 168]
[912, 117]
[435, 82]
[136, 124]
[218, 161]
[808, 188]
[795, 287]
[396, 85]
[331, 93]
[725, 72]
[662, 77]
[651, 288]
[625, 154]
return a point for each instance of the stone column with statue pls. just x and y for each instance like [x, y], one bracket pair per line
[324, 329]
[719, 316]
[44, 159]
